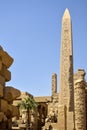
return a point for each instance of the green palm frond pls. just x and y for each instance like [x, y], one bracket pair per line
[28, 103]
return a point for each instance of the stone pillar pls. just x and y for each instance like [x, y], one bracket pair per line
[54, 84]
[79, 96]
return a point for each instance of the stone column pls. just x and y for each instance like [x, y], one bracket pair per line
[54, 84]
[79, 96]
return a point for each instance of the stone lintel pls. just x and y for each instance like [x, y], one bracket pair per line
[7, 60]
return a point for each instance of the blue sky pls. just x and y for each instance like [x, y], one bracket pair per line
[30, 31]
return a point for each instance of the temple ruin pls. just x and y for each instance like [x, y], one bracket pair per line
[67, 109]
[63, 110]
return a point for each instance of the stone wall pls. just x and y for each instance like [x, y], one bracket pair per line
[7, 93]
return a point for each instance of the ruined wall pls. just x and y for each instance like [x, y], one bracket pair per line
[7, 93]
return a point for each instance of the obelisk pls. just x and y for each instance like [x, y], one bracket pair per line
[66, 63]
[66, 94]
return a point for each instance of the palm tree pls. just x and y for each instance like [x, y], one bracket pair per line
[27, 104]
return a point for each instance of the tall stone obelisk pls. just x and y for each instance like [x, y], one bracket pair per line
[66, 63]
[66, 94]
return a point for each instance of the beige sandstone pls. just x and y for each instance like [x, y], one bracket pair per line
[7, 94]
[11, 93]
[2, 80]
[80, 106]
[1, 90]
[7, 60]
[1, 116]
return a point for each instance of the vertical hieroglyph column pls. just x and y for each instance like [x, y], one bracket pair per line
[66, 63]
[79, 96]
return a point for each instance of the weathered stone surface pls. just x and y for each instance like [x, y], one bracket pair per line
[80, 101]
[66, 63]
[15, 111]
[0, 63]
[66, 94]
[1, 116]
[12, 111]
[7, 94]
[79, 76]
[62, 123]
[1, 90]
[11, 93]
[54, 84]
[3, 105]
[5, 73]
[7, 60]
[9, 110]
[70, 120]
[2, 80]
[86, 104]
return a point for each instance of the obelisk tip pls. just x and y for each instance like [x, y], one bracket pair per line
[66, 13]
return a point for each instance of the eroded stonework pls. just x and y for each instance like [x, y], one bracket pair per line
[7, 93]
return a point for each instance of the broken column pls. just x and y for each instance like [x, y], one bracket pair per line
[79, 96]
[7, 93]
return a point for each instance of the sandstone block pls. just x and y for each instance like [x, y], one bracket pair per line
[0, 63]
[3, 105]
[12, 111]
[1, 116]
[5, 73]
[7, 60]
[15, 111]
[11, 93]
[1, 90]
[2, 80]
